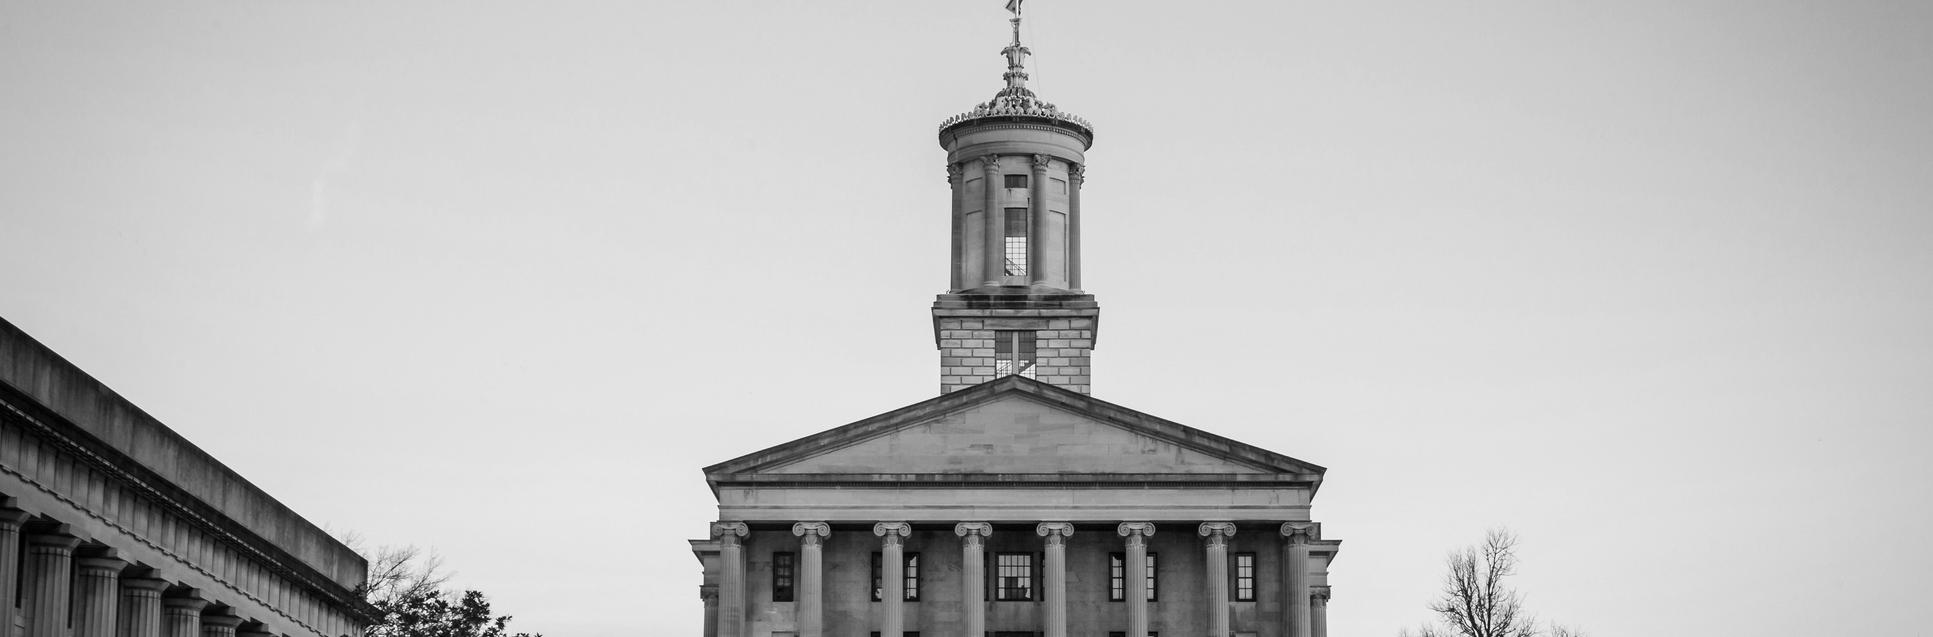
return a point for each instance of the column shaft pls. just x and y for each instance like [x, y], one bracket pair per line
[1054, 590]
[50, 584]
[1217, 556]
[811, 605]
[96, 603]
[140, 612]
[955, 177]
[973, 571]
[1076, 175]
[10, 521]
[731, 583]
[1135, 589]
[1295, 569]
[892, 577]
[1319, 615]
[1037, 252]
[996, 222]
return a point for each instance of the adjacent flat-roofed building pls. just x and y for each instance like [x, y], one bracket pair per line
[1015, 504]
[113, 525]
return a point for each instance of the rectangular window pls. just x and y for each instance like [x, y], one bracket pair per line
[1014, 573]
[1016, 181]
[911, 575]
[1244, 577]
[1117, 577]
[1123, 633]
[1016, 241]
[1013, 353]
[784, 565]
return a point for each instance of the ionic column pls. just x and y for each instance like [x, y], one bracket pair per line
[50, 587]
[1054, 590]
[219, 625]
[892, 577]
[181, 616]
[1295, 569]
[996, 222]
[731, 583]
[1319, 613]
[973, 568]
[1037, 232]
[10, 521]
[96, 605]
[1135, 590]
[708, 595]
[811, 606]
[1076, 175]
[1217, 534]
[956, 177]
[140, 611]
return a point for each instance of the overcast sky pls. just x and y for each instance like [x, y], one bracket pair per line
[1649, 282]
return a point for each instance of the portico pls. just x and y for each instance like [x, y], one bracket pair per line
[858, 530]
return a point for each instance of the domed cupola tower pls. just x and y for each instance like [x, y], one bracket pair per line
[1014, 305]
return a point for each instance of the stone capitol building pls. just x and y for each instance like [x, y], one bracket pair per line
[1015, 504]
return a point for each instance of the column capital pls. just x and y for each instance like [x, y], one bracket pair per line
[1298, 532]
[1213, 530]
[891, 530]
[184, 605]
[981, 529]
[1077, 173]
[733, 529]
[221, 621]
[59, 541]
[1041, 162]
[11, 519]
[814, 529]
[1052, 530]
[147, 584]
[991, 164]
[1132, 529]
[1319, 594]
[954, 171]
[101, 565]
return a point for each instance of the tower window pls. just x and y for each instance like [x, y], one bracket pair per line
[1016, 240]
[783, 567]
[1016, 181]
[1013, 353]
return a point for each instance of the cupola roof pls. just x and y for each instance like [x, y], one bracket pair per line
[1015, 100]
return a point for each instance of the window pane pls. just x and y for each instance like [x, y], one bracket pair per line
[1015, 577]
[912, 577]
[1016, 181]
[1244, 577]
[1116, 577]
[1016, 246]
[782, 574]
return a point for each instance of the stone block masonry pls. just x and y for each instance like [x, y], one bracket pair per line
[1063, 345]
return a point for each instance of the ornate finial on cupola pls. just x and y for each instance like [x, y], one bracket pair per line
[1015, 99]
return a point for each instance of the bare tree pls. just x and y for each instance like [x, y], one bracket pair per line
[1477, 601]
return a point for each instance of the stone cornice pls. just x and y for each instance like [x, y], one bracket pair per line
[171, 498]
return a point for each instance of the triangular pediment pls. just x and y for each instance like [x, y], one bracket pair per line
[1015, 427]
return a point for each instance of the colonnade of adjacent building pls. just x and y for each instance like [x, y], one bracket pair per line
[69, 591]
[1306, 607]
